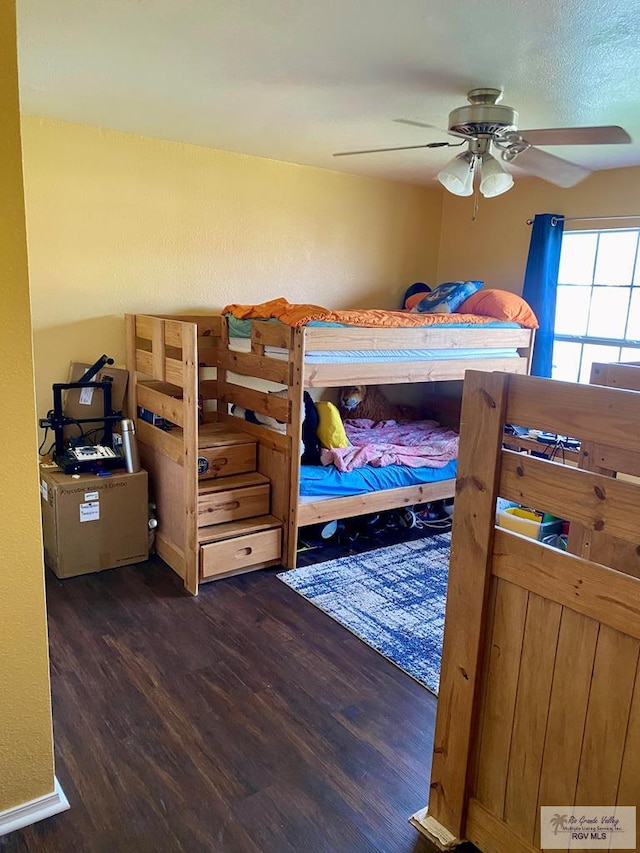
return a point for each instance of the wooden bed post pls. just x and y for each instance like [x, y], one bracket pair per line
[189, 333]
[132, 386]
[294, 435]
[483, 415]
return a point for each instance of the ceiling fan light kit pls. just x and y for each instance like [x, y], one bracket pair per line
[458, 176]
[486, 123]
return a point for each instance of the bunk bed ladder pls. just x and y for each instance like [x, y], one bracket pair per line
[163, 350]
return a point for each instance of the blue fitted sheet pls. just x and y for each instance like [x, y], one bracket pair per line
[321, 481]
[381, 357]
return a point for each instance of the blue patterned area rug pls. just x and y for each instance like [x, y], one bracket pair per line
[392, 598]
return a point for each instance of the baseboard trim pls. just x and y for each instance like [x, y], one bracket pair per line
[23, 815]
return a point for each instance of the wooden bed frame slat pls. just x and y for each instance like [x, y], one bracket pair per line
[144, 363]
[320, 511]
[167, 443]
[391, 372]
[145, 326]
[585, 412]
[267, 437]
[209, 389]
[344, 339]
[259, 401]
[173, 333]
[271, 334]
[173, 371]
[615, 459]
[207, 324]
[248, 364]
[170, 408]
[605, 504]
[593, 590]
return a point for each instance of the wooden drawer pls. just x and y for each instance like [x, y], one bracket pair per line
[232, 504]
[230, 555]
[227, 460]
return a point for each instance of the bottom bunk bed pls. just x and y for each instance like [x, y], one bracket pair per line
[327, 494]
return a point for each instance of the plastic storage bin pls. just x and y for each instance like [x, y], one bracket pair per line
[527, 522]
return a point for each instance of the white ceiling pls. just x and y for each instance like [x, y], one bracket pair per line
[296, 80]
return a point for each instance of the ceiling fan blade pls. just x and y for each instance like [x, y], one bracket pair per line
[401, 148]
[431, 126]
[416, 123]
[605, 135]
[550, 168]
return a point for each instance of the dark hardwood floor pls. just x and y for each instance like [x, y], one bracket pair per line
[240, 721]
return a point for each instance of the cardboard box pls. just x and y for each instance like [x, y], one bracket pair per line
[92, 523]
[87, 402]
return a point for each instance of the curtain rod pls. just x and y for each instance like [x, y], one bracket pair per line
[555, 219]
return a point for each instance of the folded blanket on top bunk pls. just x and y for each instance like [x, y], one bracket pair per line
[416, 444]
[300, 315]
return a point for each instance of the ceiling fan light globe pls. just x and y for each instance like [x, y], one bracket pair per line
[457, 176]
[496, 185]
[494, 180]
[455, 185]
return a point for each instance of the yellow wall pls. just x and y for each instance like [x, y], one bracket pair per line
[494, 247]
[120, 223]
[26, 752]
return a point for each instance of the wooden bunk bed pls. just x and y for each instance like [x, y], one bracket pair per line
[539, 701]
[172, 359]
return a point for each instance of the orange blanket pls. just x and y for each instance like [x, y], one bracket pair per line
[298, 315]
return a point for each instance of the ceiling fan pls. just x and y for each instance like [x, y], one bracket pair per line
[485, 125]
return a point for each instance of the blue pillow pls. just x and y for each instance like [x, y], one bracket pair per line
[446, 297]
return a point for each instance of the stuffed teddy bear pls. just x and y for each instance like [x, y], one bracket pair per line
[368, 401]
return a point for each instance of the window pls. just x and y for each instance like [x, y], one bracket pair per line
[598, 302]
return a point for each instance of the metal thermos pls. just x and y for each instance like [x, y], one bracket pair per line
[130, 445]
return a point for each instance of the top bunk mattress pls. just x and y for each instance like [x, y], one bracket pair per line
[240, 341]
[376, 356]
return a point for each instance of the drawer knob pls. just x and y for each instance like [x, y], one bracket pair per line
[244, 552]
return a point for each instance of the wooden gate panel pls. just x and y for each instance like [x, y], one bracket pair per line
[504, 650]
[530, 720]
[614, 673]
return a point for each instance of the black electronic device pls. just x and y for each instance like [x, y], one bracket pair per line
[85, 458]
[559, 440]
[89, 459]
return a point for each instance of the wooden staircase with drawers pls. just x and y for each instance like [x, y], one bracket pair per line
[219, 505]
[235, 530]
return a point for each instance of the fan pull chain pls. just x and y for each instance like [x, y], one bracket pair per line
[476, 192]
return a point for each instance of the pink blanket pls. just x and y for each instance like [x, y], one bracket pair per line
[419, 444]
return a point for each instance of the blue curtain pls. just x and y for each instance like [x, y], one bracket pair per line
[541, 283]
